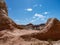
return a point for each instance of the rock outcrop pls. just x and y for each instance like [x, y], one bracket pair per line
[50, 31]
[5, 21]
[31, 26]
[3, 7]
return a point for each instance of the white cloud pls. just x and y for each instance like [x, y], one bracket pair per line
[39, 16]
[37, 5]
[34, 20]
[29, 9]
[45, 12]
[17, 20]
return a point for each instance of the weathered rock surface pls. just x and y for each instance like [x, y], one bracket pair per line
[32, 26]
[5, 21]
[50, 31]
[3, 7]
[13, 38]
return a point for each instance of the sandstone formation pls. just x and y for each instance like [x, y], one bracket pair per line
[31, 26]
[3, 7]
[50, 31]
[21, 36]
[41, 26]
[5, 21]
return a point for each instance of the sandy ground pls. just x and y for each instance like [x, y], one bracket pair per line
[13, 38]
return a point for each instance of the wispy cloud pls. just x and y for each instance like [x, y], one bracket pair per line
[33, 20]
[38, 17]
[17, 21]
[37, 5]
[29, 9]
[45, 12]
[40, 5]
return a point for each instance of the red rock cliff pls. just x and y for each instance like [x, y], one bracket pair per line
[5, 21]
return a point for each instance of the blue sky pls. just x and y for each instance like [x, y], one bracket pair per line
[33, 11]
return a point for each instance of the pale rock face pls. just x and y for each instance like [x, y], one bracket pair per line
[5, 21]
[3, 7]
[2, 1]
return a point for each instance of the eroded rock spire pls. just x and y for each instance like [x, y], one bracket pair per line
[3, 7]
[2, 0]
